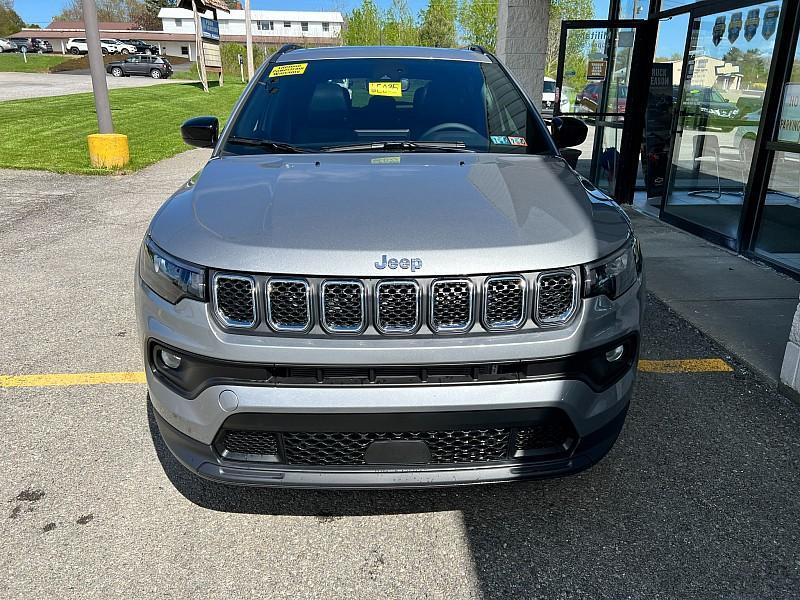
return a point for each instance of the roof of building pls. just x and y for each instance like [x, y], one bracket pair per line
[331, 52]
[261, 15]
[105, 26]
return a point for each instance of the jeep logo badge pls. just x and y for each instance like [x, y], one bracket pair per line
[415, 264]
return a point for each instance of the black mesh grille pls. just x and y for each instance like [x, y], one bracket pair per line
[398, 306]
[235, 300]
[343, 306]
[287, 304]
[451, 305]
[348, 448]
[505, 302]
[544, 436]
[257, 443]
[556, 297]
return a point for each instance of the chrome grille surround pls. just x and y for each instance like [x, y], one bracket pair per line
[451, 305]
[234, 300]
[505, 302]
[404, 314]
[289, 304]
[556, 297]
[343, 306]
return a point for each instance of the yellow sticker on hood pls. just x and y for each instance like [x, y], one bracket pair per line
[385, 88]
[293, 69]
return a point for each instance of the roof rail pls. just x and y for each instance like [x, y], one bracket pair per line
[284, 49]
[476, 48]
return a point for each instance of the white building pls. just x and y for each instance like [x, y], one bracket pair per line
[271, 27]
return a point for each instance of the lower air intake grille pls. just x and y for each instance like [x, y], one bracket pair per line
[397, 306]
[342, 306]
[348, 448]
[451, 305]
[556, 297]
[235, 300]
[288, 304]
[254, 443]
[505, 302]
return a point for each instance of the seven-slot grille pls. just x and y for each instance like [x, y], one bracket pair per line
[451, 305]
[298, 305]
[556, 297]
[288, 304]
[235, 300]
[343, 308]
[397, 306]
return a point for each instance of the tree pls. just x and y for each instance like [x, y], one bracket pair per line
[561, 10]
[398, 26]
[107, 10]
[10, 21]
[478, 21]
[438, 28]
[145, 15]
[363, 25]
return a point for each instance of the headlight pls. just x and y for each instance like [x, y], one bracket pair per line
[170, 278]
[614, 275]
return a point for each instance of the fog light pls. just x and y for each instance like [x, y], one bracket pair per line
[173, 361]
[615, 354]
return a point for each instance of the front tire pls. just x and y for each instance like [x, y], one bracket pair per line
[117, 72]
[125, 51]
[104, 50]
[155, 74]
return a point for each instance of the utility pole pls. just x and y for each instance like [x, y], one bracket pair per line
[97, 68]
[106, 149]
[248, 25]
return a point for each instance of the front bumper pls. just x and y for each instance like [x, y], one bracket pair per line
[191, 426]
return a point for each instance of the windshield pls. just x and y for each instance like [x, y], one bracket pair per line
[549, 87]
[319, 105]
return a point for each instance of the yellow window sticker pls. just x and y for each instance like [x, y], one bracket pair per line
[385, 88]
[283, 70]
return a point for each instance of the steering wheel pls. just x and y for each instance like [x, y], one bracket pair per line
[449, 127]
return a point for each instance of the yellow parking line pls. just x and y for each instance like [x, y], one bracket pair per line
[693, 365]
[66, 379]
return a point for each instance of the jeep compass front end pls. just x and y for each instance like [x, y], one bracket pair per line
[387, 276]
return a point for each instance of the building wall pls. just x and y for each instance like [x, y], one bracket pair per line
[182, 21]
[522, 42]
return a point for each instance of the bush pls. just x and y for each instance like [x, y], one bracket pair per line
[230, 59]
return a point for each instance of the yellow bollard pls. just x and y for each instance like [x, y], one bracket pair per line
[108, 150]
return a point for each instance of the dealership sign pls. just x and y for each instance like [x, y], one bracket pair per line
[209, 29]
[789, 123]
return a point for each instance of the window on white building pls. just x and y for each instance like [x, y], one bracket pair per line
[178, 22]
[266, 25]
[287, 23]
[185, 50]
[326, 26]
[304, 25]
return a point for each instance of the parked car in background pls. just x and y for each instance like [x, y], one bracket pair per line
[32, 44]
[78, 46]
[588, 99]
[142, 47]
[7, 45]
[548, 95]
[116, 46]
[141, 64]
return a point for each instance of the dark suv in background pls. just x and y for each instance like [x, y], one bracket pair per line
[141, 64]
[142, 47]
[32, 45]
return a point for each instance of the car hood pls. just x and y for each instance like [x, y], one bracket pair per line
[339, 214]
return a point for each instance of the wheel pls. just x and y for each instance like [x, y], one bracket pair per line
[155, 74]
[117, 72]
[74, 50]
[125, 51]
[104, 50]
[40, 51]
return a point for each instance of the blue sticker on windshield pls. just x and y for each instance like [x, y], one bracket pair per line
[500, 139]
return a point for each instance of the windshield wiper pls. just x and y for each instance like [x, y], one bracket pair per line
[402, 146]
[266, 144]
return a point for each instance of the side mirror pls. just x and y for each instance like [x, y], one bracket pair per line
[569, 131]
[202, 132]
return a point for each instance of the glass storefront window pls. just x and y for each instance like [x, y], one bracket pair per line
[720, 112]
[634, 9]
[778, 237]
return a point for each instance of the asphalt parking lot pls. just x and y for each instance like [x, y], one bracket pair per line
[699, 498]
[16, 86]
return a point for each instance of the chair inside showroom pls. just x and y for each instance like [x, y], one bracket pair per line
[328, 118]
[707, 149]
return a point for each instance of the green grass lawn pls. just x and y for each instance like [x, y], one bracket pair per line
[50, 133]
[37, 63]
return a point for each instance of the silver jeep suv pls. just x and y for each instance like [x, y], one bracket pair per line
[387, 276]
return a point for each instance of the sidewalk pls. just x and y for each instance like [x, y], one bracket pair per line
[746, 307]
